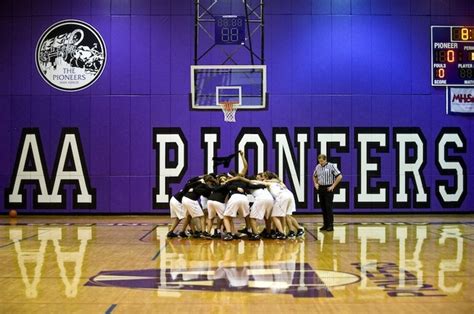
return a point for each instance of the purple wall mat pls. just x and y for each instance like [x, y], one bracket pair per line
[336, 70]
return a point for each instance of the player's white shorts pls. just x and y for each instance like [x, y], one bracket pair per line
[261, 208]
[215, 207]
[176, 209]
[192, 207]
[292, 203]
[284, 204]
[237, 202]
[250, 198]
[204, 202]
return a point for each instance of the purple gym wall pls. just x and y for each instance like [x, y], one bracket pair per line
[341, 68]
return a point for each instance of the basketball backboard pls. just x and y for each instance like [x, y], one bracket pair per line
[245, 85]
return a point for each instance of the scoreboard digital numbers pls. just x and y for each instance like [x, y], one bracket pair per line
[452, 55]
[229, 30]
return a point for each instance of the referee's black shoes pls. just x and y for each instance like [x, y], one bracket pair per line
[326, 228]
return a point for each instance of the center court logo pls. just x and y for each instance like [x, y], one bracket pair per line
[70, 55]
[298, 280]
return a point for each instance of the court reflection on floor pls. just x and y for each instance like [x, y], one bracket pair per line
[33, 253]
[377, 260]
[273, 267]
[386, 257]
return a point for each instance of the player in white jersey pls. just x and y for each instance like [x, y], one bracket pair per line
[283, 207]
[262, 205]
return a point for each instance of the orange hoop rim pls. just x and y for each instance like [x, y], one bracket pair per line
[228, 105]
[229, 108]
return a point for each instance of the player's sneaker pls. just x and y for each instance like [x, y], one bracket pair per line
[171, 234]
[300, 232]
[227, 236]
[280, 236]
[216, 234]
[206, 235]
[237, 236]
[183, 234]
[291, 235]
[265, 234]
[244, 231]
[197, 234]
[254, 237]
[273, 234]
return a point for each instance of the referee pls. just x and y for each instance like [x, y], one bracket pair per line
[326, 177]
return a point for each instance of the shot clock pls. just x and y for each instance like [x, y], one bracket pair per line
[229, 30]
[462, 34]
[452, 55]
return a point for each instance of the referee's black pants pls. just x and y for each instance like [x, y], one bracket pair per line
[325, 199]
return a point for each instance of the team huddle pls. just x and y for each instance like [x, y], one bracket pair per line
[261, 197]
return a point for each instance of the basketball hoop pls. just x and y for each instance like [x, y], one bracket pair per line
[229, 108]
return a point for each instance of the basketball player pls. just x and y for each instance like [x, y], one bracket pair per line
[283, 207]
[238, 202]
[261, 207]
[225, 161]
[268, 212]
[191, 204]
[216, 206]
[177, 210]
[326, 177]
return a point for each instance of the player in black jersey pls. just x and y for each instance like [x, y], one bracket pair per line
[177, 210]
[261, 207]
[216, 206]
[238, 201]
[191, 204]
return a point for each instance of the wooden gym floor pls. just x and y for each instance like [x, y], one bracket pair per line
[125, 264]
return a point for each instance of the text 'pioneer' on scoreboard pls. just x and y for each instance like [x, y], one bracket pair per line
[452, 55]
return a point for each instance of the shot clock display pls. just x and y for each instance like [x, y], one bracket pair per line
[463, 34]
[452, 55]
[229, 30]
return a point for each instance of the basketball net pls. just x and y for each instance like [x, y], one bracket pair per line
[229, 108]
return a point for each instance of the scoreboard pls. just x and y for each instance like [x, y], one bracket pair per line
[229, 30]
[452, 55]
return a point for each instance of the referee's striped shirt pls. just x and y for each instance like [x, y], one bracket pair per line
[326, 174]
